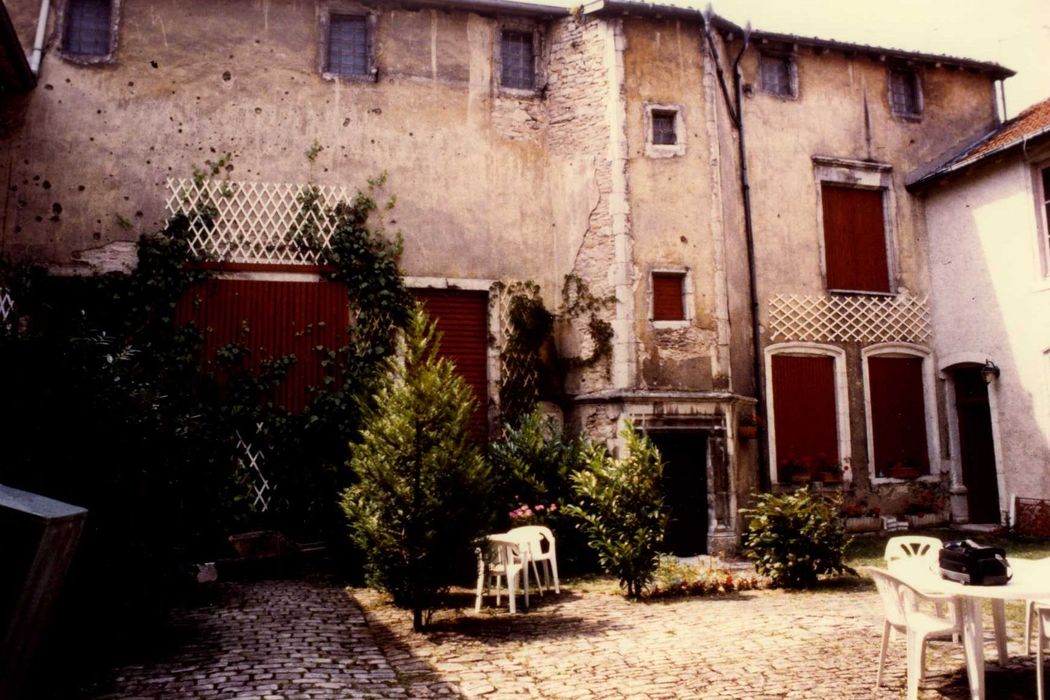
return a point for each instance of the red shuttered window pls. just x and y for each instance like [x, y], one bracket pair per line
[854, 239]
[668, 295]
[898, 416]
[462, 320]
[804, 412]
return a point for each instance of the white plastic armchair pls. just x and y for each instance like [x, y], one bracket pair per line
[502, 558]
[1029, 612]
[900, 603]
[535, 536]
[912, 547]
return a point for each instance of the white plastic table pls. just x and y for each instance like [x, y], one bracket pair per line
[1031, 579]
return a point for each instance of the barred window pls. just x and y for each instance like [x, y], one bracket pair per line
[87, 28]
[664, 133]
[349, 45]
[905, 93]
[775, 75]
[518, 60]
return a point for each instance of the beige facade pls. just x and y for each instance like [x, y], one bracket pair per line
[496, 184]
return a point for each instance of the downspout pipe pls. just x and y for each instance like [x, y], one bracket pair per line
[38, 43]
[736, 113]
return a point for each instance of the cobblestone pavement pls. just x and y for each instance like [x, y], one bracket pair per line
[285, 639]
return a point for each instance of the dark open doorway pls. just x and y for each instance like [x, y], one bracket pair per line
[685, 490]
[976, 445]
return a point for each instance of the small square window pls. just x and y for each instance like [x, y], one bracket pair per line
[664, 133]
[518, 60]
[668, 296]
[776, 75]
[349, 46]
[87, 28]
[905, 93]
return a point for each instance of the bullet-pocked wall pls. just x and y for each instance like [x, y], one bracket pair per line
[87, 153]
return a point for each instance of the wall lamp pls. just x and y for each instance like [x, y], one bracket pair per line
[990, 372]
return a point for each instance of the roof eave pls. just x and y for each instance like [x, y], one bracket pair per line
[11, 47]
[921, 181]
[509, 7]
[994, 69]
[634, 8]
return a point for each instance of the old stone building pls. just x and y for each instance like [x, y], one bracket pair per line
[596, 152]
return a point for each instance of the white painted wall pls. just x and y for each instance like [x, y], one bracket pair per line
[991, 300]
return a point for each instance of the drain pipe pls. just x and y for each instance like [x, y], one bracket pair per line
[735, 105]
[38, 42]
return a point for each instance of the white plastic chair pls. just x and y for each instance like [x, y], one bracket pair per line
[1042, 612]
[1029, 613]
[911, 547]
[900, 603]
[504, 558]
[535, 536]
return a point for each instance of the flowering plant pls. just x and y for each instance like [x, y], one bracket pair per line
[531, 515]
[860, 509]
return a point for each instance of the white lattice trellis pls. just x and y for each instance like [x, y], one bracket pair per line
[257, 222]
[252, 459]
[862, 319]
[7, 304]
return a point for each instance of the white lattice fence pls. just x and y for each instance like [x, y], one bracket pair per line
[855, 318]
[252, 460]
[7, 305]
[257, 222]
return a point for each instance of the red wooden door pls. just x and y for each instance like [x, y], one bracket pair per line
[462, 319]
[804, 409]
[898, 414]
[272, 319]
[976, 445]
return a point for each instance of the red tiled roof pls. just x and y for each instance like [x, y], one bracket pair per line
[1029, 124]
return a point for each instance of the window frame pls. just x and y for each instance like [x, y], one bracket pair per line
[664, 150]
[539, 47]
[324, 45]
[789, 59]
[916, 83]
[688, 297]
[929, 396]
[1041, 198]
[842, 409]
[858, 175]
[62, 26]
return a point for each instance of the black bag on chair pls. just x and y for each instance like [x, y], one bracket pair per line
[972, 564]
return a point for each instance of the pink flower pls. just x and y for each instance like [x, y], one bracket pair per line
[539, 508]
[554, 507]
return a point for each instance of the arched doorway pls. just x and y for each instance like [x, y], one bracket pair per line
[975, 446]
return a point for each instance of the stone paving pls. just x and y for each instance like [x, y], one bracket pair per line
[293, 639]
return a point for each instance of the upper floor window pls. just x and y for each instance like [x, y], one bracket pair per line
[777, 76]
[664, 131]
[349, 46]
[518, 60]
[88, 29]
[855, 252]
[668, 296]
[1043, 195]
[905, 93]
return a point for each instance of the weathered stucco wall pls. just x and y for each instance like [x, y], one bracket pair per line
[87, 153]
[991, 300]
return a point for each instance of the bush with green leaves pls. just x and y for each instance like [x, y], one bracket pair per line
[794, 537]
[418, 503]
[621, 509]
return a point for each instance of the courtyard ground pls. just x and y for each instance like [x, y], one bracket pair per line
[311, 638]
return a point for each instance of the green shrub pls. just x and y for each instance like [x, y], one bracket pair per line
[793, 537]
[421, 483]
[621, 508]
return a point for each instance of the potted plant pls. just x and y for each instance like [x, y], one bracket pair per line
[748, 426]
[926, 506]
[793, 471]
[860, 517]
[900, 470]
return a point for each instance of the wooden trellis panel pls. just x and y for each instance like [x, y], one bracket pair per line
[854, 318]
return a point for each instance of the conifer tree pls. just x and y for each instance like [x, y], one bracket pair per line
[421, 490]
